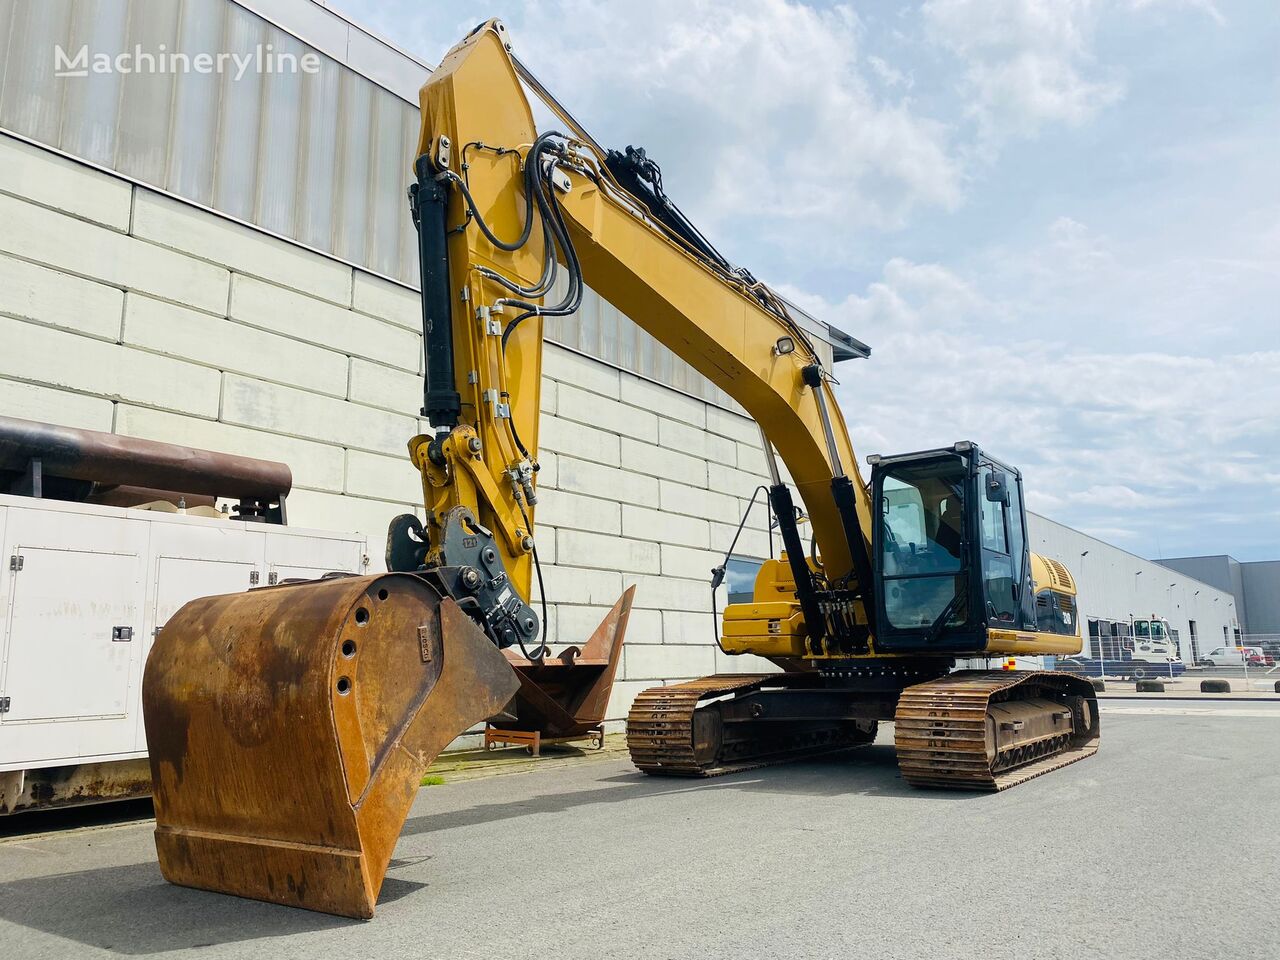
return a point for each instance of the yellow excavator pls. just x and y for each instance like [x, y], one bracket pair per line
[289, 727]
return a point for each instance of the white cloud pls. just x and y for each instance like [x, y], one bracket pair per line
[1026, 62]
[889, 75]
[1207, 7]
[910, 298]
[1155, 436]
[1102, 311]
[759, 111]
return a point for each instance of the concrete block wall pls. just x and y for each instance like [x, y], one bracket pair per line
[125, 310]
[122, 309]
[648, 489]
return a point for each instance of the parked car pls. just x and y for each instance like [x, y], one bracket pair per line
[1236, 657]
[1257, 657]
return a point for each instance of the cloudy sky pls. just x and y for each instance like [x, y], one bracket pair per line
[1056, 222]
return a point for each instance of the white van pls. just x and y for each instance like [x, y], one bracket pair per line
[1229, 656]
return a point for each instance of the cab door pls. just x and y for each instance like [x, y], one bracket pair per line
[1001, 565]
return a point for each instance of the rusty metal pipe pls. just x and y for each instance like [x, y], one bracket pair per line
[107, 458]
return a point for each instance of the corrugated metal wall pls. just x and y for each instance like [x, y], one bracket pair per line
[321, 158]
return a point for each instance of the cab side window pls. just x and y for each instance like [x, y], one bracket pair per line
[997, 565]
[993, 532]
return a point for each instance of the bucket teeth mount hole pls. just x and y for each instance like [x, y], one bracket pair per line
[348, 648]
[362, 616]
[344, 686]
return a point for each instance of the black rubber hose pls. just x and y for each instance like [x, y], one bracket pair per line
[484, 227]
[717, 575]
[549, 210]
[542, 591]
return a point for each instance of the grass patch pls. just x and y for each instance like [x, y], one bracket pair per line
[432, 780]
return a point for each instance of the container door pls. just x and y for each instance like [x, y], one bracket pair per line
[182, 579]
[74, 629]
[300, 557]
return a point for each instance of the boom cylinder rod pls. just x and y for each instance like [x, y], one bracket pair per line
[813, 378]
[769, 457]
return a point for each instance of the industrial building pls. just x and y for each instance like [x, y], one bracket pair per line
[228, 262]
[1253, 585]
[1117, 585]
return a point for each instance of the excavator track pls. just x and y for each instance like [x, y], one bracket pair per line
[677, 731]
[978, 730]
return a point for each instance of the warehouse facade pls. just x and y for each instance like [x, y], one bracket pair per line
[1117, 585]
[229, 263]
[1254, 585]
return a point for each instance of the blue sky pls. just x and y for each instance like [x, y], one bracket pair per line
[1056, 222]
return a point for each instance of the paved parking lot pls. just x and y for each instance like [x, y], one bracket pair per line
[1151, 849]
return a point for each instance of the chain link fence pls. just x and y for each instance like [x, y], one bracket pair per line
[1250, 662]
[1149, 649]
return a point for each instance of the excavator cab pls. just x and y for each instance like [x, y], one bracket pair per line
[950, 542]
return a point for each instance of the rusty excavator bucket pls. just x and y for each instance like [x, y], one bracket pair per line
[289, 729]
[567, 695]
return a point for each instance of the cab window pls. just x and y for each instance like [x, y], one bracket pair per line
[741, 577]
[998, 570]
[924, 527]
[904, 513]
[993, 532]
[922, 533]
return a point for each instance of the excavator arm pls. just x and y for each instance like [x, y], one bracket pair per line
[499, 209]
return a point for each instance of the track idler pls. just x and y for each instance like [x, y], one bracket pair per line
[289, 729]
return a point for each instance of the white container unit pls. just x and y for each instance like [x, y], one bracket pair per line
[85, 588]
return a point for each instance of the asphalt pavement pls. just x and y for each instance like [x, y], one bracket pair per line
[1162, 846]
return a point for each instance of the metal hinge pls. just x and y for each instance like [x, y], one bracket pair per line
[4, 704]
[273, 578]
[254, 577]
[16, 562]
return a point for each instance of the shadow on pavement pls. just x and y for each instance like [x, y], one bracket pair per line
[132, 910]
[866, 771]
[75, 818]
